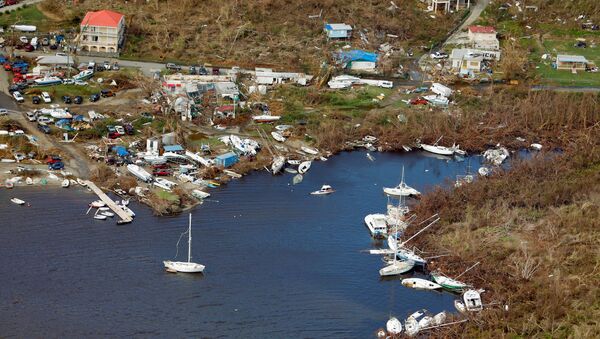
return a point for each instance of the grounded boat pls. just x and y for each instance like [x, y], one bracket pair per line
[290, 170]
[420, 284]
[472, 301]
[277, 164]
[448, 283]
[99, 217]
[435, 149]
[84, 75]
[304, 167]
[17, 201]
[265, 118]
[377, 225]
[393, 326]
[405, 253]
[325, 189]
[232, 174]
[139, 172]
[309, 150]
[294, 162]
[198, 194]
[277, 136]
[65, 183]
[48, 81]
[29, 181]
[396, 267]
[182, 266]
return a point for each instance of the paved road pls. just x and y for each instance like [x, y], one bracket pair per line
[20, 4]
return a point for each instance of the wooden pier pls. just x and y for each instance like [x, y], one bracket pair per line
[125, 217]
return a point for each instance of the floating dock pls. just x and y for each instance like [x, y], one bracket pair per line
[125, 217]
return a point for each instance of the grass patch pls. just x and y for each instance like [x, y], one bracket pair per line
[553, 76]
[58, 91]
[168, 196]
[27, 15]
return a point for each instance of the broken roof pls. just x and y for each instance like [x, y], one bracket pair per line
[482, 29]
[338, 27]
[571, 58]
[104, 18]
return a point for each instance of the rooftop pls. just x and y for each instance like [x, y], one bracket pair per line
[482, 29]
[338, 27]
[103, 18]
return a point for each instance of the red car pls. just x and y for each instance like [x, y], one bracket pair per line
[53, 159]
[161, 172]
[10, 2]
[418, 101]
[7, 67]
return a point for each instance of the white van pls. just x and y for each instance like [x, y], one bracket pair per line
[46, 97]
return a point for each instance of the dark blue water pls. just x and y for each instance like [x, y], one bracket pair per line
[280, 263]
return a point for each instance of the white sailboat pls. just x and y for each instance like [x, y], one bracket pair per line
[402, 190]
[183, 266]
[397, 267]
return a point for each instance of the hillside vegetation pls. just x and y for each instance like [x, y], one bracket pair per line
[269, 32]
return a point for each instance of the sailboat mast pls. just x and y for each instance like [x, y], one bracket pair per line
[190, 240]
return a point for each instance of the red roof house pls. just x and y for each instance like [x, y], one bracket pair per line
[103, 18]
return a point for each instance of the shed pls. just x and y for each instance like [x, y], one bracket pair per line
[226, 160]
[571, 62]
[173, 148]
[338, 31]
[357, 59]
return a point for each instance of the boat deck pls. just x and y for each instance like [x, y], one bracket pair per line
[125, 217]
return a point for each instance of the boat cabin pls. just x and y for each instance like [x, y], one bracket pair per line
[472, 301]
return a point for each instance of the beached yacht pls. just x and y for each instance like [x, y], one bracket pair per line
[377, 225]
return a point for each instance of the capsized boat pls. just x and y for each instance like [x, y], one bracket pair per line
[304, 167]
[310, 150]
[183, 266]
[393, 326]
[297, 179]
[420, 284]
[325, 189]
[448, 283]
[277, 136]
[17, 201]
[277, 164]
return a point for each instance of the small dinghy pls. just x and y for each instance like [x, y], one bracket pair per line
[291, 170]
[29, 181]
[421, 284]
[99, 217]
[65, 183]
[17, 201]
[297, 179]
[107, 213]
[102, 209]
[97, 204]
[393, 326]
[325, 189]
[304, 167]
[277, 136]
[294, 162]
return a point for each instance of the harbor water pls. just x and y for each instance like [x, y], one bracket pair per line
[279, 261]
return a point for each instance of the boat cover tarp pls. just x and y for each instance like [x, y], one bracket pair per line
[356, 55]
[121, 151]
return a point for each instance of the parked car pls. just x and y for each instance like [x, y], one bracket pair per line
[129, 129]
[3, 111]
[202, 70]
[45, 120]
[66, 99]
[105, 93]
[78, 100]
[161, 172]
[44, 128]
[31, 116]
[51, 159]
[56, 166]
[106, 65]
[80, 83]
[68, 81]
[36, 100]
[17, 87]
[94, 97]
[18, 96]
[46, 97]
[192, 70]
[53, 47]
[115, 67]
[439, 55]
[173, 67]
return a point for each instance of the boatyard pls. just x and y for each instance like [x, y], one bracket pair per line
[391, 169]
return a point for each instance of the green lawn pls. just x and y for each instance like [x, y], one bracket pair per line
[552, 76]
[58, 91]
[28, 15]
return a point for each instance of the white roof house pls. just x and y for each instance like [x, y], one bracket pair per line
[338, 31]
[571, 62]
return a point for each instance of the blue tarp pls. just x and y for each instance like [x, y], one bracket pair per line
[78, 117]
[356, 55]
[62, 122]
[121, 151]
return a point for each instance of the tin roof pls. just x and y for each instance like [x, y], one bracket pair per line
[571, 58]
[338, 27]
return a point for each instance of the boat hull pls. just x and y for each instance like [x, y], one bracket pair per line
[438, 150]
[184, 267]
[396, 268]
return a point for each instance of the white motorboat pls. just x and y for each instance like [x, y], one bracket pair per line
[425, 322]
[65, 183]
[439, 318]
[304, 167]
[29, 181]
[411, 324]
[48, 81]
[183, 266]
[472, 301]
[291, 170]
[294, 162]
[393, 326]
[232, 174]
[102, 209]
[127, 210]
[277, 136]
[265, 118]
[198, 194]
[435, 149]
[325, 189]
[164, 184]
[107, 213]
[310, 150]
[99, 217]
[377, 225]
[17, 201]
[84, 75]
[402, 190]
[139, 172]
[420, 284]
[277, 164]
[97, 204]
